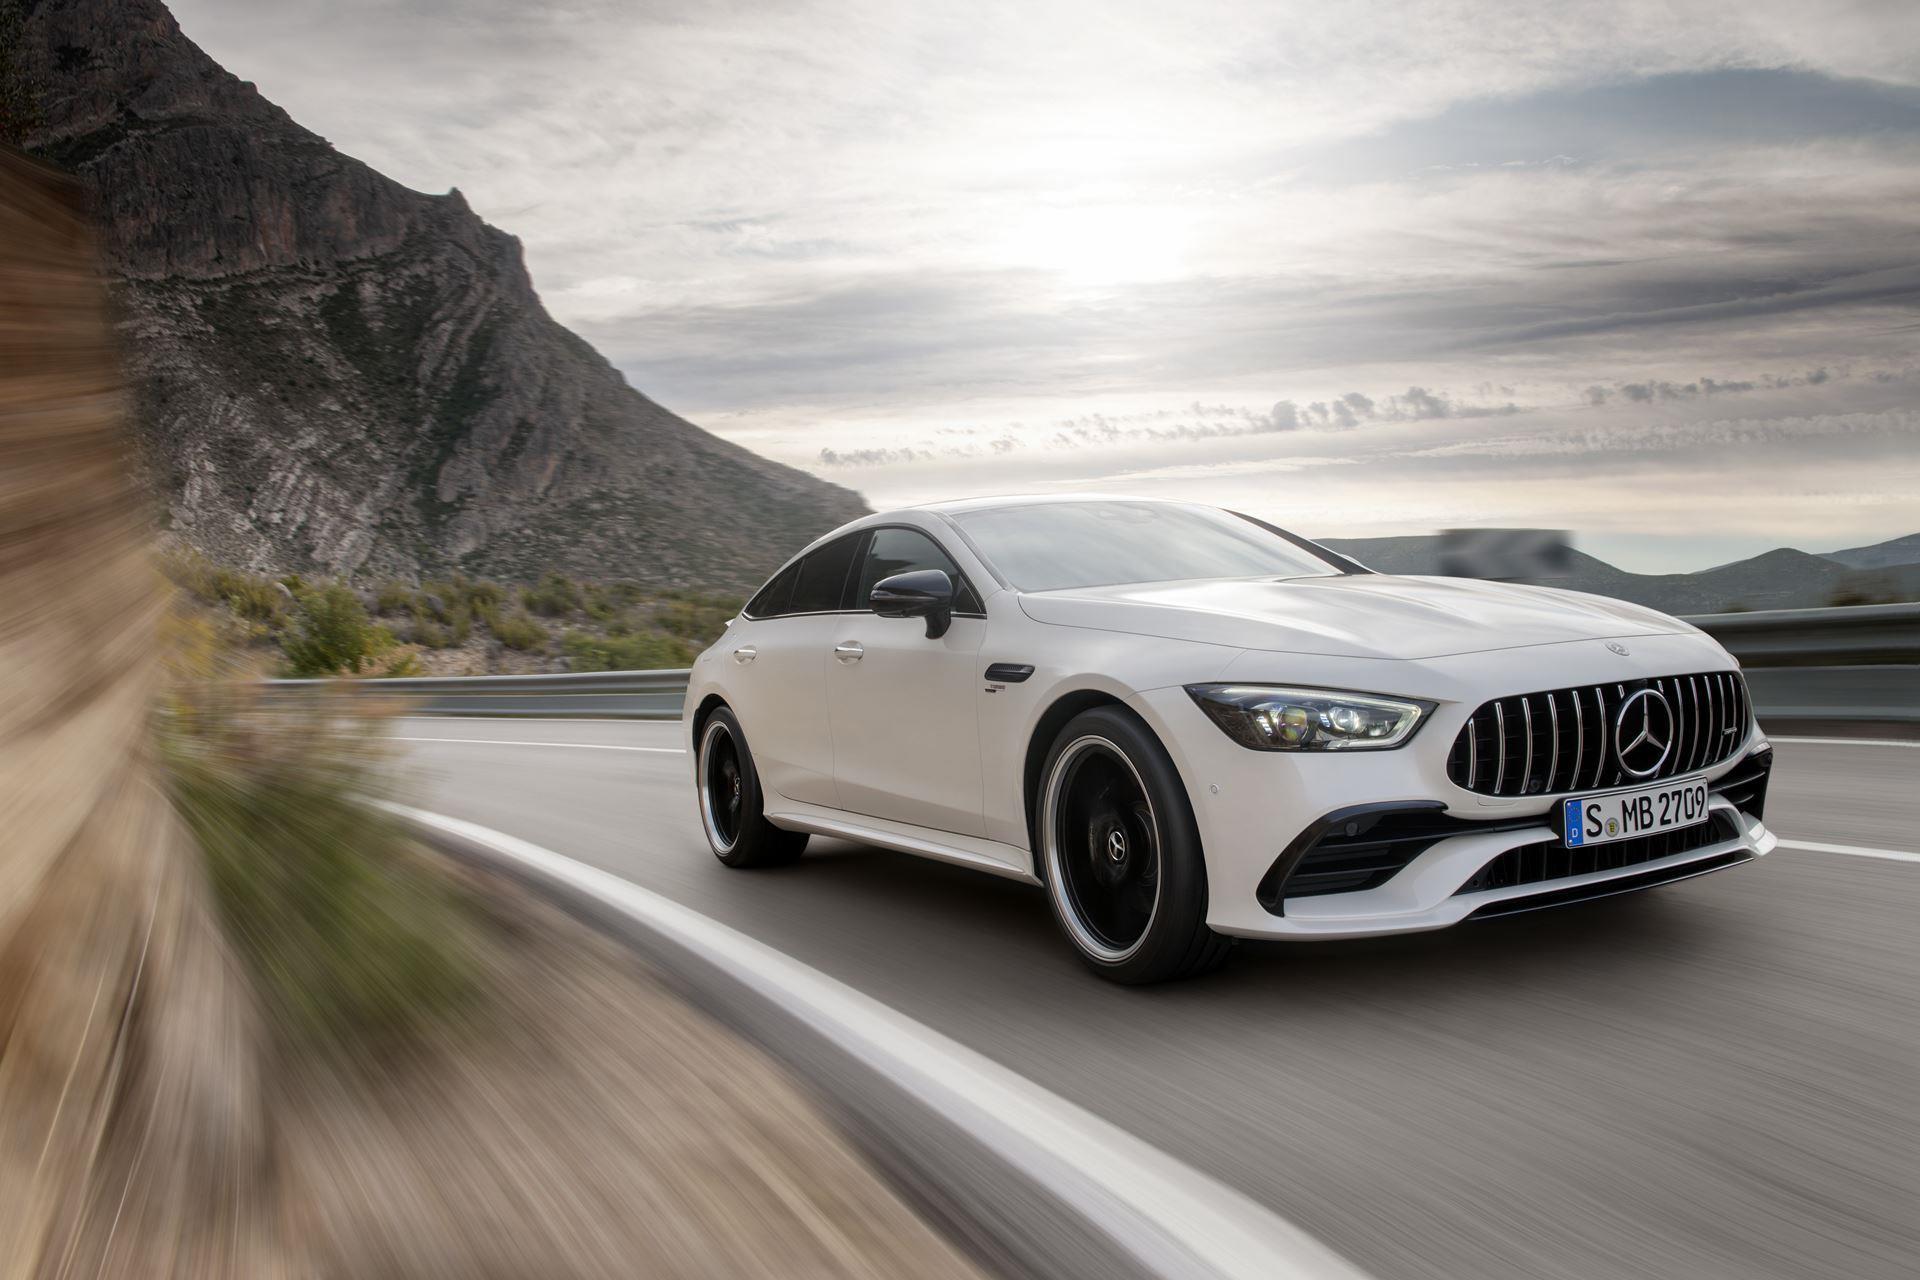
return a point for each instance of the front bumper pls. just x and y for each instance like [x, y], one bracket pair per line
[1473, 855]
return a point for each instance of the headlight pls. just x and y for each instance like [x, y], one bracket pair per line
[1270, 718]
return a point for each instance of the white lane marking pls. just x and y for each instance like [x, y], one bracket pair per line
[1853, 850]
[578, 746]
[1177, 1220]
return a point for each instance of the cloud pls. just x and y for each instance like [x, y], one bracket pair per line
[976, 245]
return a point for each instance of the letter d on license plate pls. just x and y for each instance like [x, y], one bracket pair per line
[1622, 815]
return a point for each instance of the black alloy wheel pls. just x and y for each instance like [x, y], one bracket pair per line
[732, 811]
[1120, 852]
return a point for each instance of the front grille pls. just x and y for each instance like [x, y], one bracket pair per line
[1563, 739]
[1551, 860]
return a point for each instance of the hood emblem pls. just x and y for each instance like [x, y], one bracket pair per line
[1619, 648]
[1643, 733]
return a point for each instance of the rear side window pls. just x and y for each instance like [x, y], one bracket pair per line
[904, 550]
[771, 600]
[822, 582]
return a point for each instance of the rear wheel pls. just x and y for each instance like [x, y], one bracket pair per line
[732, 812]
[1121, 853]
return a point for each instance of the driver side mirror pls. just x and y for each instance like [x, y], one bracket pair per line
[923, 593]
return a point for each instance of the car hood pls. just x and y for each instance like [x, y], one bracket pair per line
[1371, 615]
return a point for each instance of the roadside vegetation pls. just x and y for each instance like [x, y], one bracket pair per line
[452, 626]
[350, 935]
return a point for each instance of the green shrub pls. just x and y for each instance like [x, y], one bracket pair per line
[331, 633]
[555, 597]
[649, 651]
[253, 598]
[698, 618]
[518, 631]
[430, 634]
[607, 602]
[393, 598]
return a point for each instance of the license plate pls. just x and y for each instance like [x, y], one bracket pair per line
[1622, 815]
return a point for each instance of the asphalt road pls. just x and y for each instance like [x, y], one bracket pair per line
[1716, 1079]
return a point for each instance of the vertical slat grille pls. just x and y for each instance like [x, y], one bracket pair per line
[1560, 740]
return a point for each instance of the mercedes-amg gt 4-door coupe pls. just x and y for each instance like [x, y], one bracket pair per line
[1189, 726]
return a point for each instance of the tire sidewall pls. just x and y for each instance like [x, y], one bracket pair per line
[1181, 909]
[739, 853]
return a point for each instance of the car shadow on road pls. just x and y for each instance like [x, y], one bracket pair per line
[1004, 932]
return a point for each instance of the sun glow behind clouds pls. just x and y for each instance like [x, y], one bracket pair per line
[1103, 243]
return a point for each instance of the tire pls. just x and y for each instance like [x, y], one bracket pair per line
[727, 790]
[1120, 853]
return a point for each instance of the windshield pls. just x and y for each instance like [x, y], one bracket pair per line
[1054, 545]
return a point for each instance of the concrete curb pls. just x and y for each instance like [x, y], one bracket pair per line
[1034, 1185]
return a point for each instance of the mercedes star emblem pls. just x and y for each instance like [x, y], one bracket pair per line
[1643, 733]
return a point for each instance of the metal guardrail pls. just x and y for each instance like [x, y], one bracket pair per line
[1856, 666]
[1876, 634]
[619, 695]
[1851, 665]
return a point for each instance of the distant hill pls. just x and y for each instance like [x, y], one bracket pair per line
[1881, 555]
[1780, 579]
[333, 372]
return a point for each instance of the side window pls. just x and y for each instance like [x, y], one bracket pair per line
[771, 600]
[904, 550]
[823, 576]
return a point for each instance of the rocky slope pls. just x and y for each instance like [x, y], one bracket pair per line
[334, 372]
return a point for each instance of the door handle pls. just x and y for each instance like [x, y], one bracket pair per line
[745, 654]
[851, 651]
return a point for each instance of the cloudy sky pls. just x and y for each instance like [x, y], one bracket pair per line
[1650, 271]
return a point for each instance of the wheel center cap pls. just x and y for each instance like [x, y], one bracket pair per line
[1116, 845]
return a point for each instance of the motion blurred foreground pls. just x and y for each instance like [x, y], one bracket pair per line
[247, 1027]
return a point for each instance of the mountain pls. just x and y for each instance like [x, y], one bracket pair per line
[333, 372]
[1881, 555]
[1780, 579]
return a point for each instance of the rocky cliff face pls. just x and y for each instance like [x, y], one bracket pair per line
[336, 373]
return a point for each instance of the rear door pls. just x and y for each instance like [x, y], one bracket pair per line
[905, 708]
[776, 679]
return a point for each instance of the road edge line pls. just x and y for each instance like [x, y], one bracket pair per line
[1851, 850]
[1041, 1186]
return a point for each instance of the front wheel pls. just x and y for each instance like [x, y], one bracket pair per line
[732, 812]
[1120, 852]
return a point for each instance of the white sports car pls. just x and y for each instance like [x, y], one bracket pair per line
[1189, 725]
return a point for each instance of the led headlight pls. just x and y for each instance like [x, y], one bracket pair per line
[1273, 718]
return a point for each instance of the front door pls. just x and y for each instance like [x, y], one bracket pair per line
[778, 684]
[905, 708]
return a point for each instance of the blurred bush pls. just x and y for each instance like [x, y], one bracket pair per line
[555, 597]
[696, 616]
[332, 635]
[347, 932]
[518, 631]
[648, 651]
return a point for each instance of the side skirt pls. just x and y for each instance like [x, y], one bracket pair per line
[982, 854]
